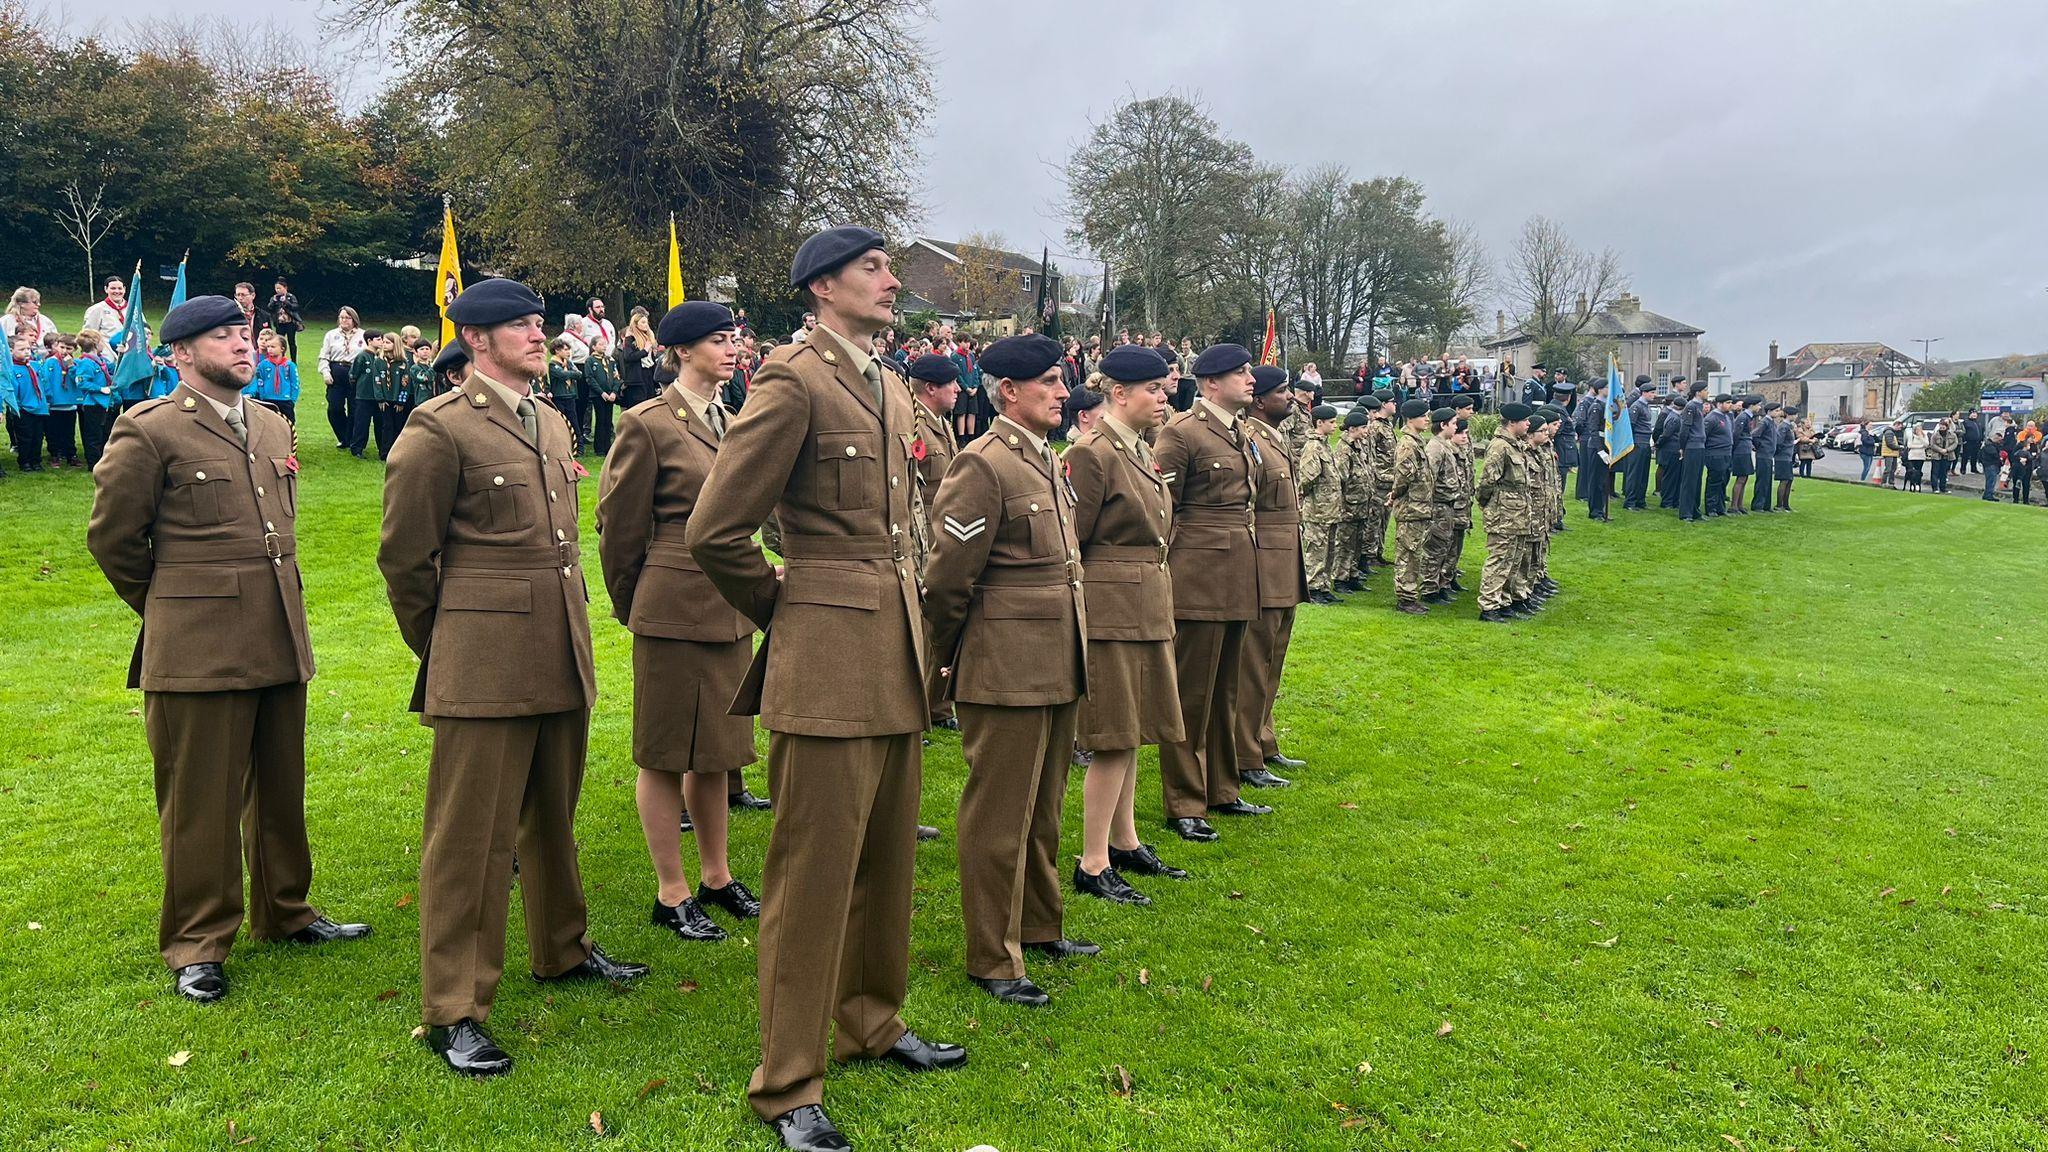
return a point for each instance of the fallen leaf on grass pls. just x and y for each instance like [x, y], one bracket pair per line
[387, 994]
[597, 1123]
[1886, 892]
[1908, 902]
[1237, 895]
[687, 986]
[404, 901]
[419, 1031]
[705, 1086]
[1256, 931]
[177, 1059]
[2015, 1056]
[34, 927]
[1739, 1146]
[1353, 1122]
[1122, 1084]
[650, 1086]
[1610, 942]
[1340, 1107]
[1144, 976]
[1348, 807]
[1444, 1029]
[1206, 981]
[1946, 889]
[1365, 1067]
[1564, 847]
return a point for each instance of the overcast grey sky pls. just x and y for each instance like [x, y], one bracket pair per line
[1797, 170]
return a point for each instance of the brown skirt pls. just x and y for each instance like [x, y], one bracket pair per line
[1132, 699]
[681, 690]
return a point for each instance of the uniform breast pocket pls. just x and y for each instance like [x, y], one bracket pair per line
[1211, 472]
[1030, 523]
[848, 470]
[198, 488]
[502, 488]
[287, 484]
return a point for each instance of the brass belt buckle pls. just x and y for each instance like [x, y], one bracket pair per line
[564, 549]
[273, 546]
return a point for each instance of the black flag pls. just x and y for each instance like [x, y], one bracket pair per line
[1048, 300]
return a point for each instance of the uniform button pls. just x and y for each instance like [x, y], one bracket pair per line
[1034, 505]
[894, 530]
[498, 480]
[902, 575]
[259, 489]
[199, 475]
[252, 457]
[565, 573]
[276, 562]
[1162, 539]
[893, 480]
[560, 534]
[543, 459]
[551, 494]
[269, 527]
[850, 451]
[1215, 463]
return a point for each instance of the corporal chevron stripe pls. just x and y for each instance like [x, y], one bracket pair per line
[967, 531]
[1169, 477]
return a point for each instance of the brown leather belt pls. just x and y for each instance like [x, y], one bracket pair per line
[520, 558]
[269, 546]
[817, 547]
[1034, 577]
[1114, 553]
[1213, 517]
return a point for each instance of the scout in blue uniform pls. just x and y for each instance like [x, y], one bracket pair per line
[1718, 422]
[61, 389]
[276, 382]
[95, 383]
[31, 402]
[1764, 433]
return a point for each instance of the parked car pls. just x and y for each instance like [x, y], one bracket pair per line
[1843, 437]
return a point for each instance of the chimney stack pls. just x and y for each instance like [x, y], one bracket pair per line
[1500, 322]
[1776, 366]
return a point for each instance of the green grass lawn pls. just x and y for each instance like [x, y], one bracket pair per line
[1736, 847]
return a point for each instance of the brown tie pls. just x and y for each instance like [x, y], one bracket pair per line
[717, 421]
[237, 424]
[529, 417]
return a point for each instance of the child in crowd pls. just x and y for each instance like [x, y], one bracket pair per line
[563, 380]
[598, 396]
[373, 392]
[163, 383]
[391, 414]
[31, 401]
[61, 426]
[419, 379]
[276, 382]
[93, 375]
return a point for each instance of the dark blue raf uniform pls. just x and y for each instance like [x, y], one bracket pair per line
[1742, 465]
[1665, 438]
[1635, 480]
[1720, 446]
[1566, 444]
[1692, 453]
[1764, 433]
[1590, 422]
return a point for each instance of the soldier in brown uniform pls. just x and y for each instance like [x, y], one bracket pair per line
[1008, 636]
[690, 648]
[481, 561]
[194, 505]
[838, 681]
[936, 382]
[1283, 583]
[1206, 458]
[1123, 515]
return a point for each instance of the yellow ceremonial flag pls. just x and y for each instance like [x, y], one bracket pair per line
[448, 275]
[675, 265]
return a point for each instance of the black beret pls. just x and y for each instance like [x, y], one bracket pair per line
[1539, 367]
[1357, 418]
[1791, 411]
[1562, 385]
[1414, 408]
[934, 369]
[1515, 410]
[1267, 378]
[1165, 357]
[1384, 397]
[1773, 406]
[1537, 420]
[1723, 398]
[1132, 364]
[1020, 357]
[1322, 412]
[452, 355]
[691, 321]
[495, 301]
[1084, 398]
[830, 249]
[200, 314]
[1218, 359]
[1752, 400]
[1464, 400]
[1550, 410]
[1442, 416]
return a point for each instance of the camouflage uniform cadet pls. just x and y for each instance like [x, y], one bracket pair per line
[1543, 471]
[1504, 488]
[1319, 479]
[1441, 462]
[1414, 508]
[1379, 447]
[1359, 497]
[1297, 429]
[1463, 403]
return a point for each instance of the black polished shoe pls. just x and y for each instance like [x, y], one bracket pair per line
[201, 983]
[323, 931]
[950, 723]
[1021, 991]
[1520, 610]
[1240, 808]
[688, 825]
[1107, 885]
[745, 800]
[1262, 778]
[1550, 587]
[1193, 828]
[468, 1049]
[1456, 585]
[1283, 760]
[1321, 597]
[927, 832]
[808, 1129]
[734, 898]
[686, 920]
[1143, 861]
[1062, 949]
[1436, 597]
[1411, 607]
[598, 966]
[921, 1055]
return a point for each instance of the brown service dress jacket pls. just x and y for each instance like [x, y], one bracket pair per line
[1283, 578]
[1003, 592]
[658, 463]
[1213, 557]
[195, 532]
[1123, 516]
[842, 650]
[481, 559]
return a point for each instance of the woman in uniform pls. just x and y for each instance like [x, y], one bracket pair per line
[1123, 516]
[690, 649]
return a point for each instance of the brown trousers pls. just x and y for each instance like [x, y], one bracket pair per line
[230, 786]
[1202, 769]
[495, 783]
[835, 907]
[1258, 686]
[1009, 831]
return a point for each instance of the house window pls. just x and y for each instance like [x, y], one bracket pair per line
[1027, 281]
[1663, 353]
[1664, 380]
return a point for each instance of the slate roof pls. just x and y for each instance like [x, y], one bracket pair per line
[1868, 357]
[1616, 321]
[1014, 261]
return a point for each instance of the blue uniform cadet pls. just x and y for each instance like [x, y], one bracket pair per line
[1764, 433]
[31, 408]
[1720, 445]
[97, 402]
[60, 428]
[1692, 451]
